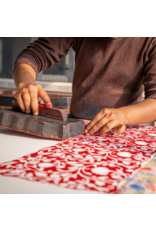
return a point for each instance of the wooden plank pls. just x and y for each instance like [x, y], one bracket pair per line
[56, 113]
[41, 126]
[5, 107]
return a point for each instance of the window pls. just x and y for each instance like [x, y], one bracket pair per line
[56, 79]
[11, 47]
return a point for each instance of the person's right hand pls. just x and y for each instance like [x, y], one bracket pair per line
[29, 96]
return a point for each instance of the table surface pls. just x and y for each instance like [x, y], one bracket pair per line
[14, 145]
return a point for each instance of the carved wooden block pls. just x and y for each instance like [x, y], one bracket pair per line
[6, 100]
[56, 113]
[41, 126]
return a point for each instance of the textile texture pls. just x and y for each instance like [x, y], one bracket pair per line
[97, 163]
[142, 181]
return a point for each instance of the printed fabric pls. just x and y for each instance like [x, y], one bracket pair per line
[98, 163]
[143, 180]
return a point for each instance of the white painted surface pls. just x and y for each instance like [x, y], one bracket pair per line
[14, 145]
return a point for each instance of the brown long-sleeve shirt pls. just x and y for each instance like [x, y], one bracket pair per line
[109, 72]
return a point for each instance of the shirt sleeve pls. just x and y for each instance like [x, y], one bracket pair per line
[149, 80]
[44, 52]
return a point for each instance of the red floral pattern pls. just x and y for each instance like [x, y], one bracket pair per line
[96, 163]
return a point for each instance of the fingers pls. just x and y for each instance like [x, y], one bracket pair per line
[40, 101]
[21, 102]
[26, 100]
[44, 96]
[36, 91]
[106, 120]
[97, 126]
[119, 130]
[96, 119]
[34, 101]
[113, 124]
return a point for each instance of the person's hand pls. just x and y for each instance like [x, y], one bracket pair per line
[29, 96]
[106, 120]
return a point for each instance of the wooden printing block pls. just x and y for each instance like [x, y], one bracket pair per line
[41, 126]
[6, 100]
[56, 113]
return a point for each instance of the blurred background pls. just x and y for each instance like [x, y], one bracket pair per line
[57, 79]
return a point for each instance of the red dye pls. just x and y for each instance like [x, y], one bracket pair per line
[48, 105]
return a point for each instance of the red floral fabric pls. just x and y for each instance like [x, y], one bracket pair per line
[97, 163]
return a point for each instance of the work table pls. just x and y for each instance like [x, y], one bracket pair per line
[14, 145]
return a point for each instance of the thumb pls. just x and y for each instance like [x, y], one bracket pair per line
[119, 130]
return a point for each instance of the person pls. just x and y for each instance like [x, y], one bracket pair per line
[109, 79]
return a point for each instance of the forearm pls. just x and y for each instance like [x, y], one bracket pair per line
[24, 75]
[141, 113]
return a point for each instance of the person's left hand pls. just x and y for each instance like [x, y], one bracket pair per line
[106, 120]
